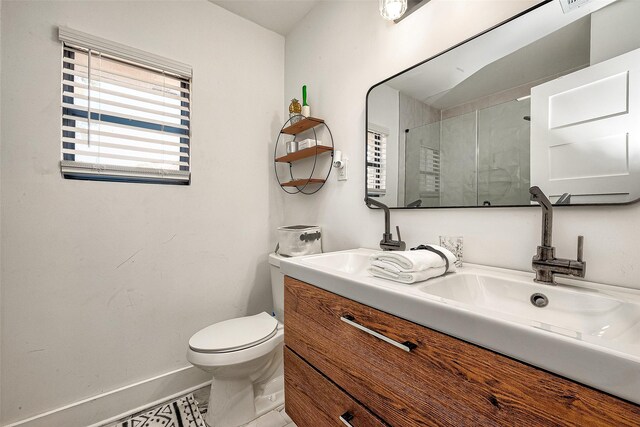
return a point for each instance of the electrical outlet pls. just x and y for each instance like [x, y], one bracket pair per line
[569, 5]
[342, 172]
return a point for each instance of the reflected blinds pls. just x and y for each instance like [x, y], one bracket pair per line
[122, 120]
[429, 173]
[376, 163]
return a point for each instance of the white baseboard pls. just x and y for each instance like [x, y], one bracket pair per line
[113, 405]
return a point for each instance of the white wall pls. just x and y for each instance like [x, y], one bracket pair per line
[0, 209]
[341, 49]
[614, 30]
[104, 283]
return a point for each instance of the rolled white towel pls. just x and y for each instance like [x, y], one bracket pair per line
[407, 276]
[413, 261]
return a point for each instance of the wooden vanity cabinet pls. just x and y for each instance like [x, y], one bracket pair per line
[316, 401]
[403, 374]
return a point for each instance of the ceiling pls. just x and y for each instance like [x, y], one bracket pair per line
[513, 54]
[567, 49]
[276, 15]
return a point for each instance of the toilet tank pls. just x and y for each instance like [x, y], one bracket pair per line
[277, 285]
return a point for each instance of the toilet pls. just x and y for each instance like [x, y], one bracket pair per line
[244, 355]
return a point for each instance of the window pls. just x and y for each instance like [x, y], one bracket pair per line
[125, 113]
[376, 163]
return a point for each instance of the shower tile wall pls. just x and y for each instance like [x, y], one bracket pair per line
[503, 154]
[424, 136]
[413, 114]
[458, 161]
[484, 154]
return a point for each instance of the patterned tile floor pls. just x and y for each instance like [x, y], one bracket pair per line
[182, 411]
[275, 418]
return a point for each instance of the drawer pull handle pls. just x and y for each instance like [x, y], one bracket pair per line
[406, 346]
[346, 418]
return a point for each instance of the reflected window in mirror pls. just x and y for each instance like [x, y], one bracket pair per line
[376, 162]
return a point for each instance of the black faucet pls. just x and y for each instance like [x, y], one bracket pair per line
[387, 243]
[544, 262]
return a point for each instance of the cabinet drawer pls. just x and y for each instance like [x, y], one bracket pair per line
[442, 380]
[313, 401]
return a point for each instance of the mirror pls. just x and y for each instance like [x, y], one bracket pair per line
[550, 98]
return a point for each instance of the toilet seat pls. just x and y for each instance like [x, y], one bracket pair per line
[234, 334]
[227, 358]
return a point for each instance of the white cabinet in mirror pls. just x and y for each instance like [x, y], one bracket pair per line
[545, 99]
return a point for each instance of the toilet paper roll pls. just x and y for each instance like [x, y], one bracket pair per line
[337, 159]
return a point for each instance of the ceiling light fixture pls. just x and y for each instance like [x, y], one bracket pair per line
[392, 9]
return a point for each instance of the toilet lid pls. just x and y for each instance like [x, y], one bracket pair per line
[234, 334]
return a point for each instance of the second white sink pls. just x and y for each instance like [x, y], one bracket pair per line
[571, 311]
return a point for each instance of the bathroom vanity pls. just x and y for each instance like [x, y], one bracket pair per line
[335, 370]
[465, 349]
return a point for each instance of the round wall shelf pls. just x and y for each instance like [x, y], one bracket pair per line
[306, 185]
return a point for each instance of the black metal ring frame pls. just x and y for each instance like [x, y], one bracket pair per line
[315, 160]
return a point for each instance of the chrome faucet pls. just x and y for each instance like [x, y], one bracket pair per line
[387, 243]
[544, 262]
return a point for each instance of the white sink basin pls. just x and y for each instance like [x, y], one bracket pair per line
[571, 311]
[348, 262]
[588, 332]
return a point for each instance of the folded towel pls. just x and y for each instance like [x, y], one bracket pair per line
[412, 266]
[413, 261]
[406, 276]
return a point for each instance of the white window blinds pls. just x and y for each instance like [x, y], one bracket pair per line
[122, 120]
[376, 162]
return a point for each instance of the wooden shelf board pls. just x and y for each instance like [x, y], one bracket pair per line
[302, 182]
[304, 124]
[303, 154]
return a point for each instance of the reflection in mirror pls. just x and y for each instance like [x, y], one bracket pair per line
[544, 99]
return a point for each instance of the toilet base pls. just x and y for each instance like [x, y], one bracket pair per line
[271, 397]
[230, 403]
[236, 402]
